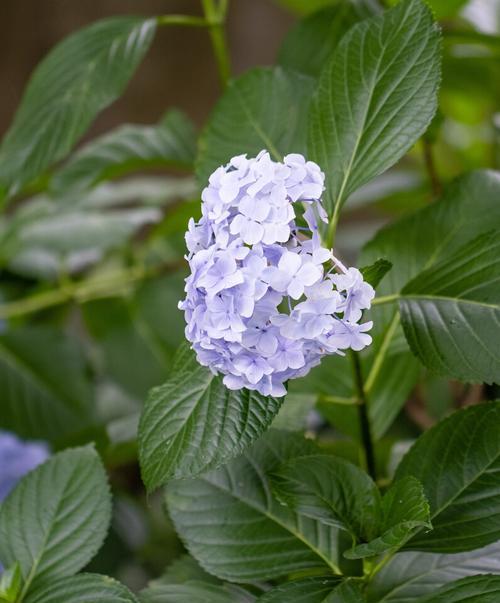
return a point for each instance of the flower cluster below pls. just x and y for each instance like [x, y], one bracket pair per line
[264, 300]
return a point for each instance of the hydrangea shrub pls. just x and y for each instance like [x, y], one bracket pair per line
[312, 403]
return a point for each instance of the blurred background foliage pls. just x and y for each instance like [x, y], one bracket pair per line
[91, 259]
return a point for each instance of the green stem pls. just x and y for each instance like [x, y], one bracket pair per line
[471, 37]
[430, 166]
[364, 420]
[337, 400]
[183, 20]
[98, 288]
[381, 354]
[332, 227]
[385, 299]
[215, 14]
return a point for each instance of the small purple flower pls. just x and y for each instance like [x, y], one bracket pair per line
[289, 354]
[222, 274]
[358, 293]
[248, 223]
[252, 366]
[349, 335]
[293, 274]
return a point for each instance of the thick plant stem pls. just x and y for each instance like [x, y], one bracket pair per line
[215, 14]
[364, 420]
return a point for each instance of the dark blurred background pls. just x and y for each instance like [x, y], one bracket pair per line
[178, 71]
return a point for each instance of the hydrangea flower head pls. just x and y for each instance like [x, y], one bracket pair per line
[265, 301]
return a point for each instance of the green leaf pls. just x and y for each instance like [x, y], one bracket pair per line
[451, 313]
[262, 109]
[84, 588]
[330, 490]
[374, 273]
[195, 591]
[327, 589]
[181, 570]
[45, 392]
[131, 147]
[234, 526]
[475, 589]
[372, 104]
[469, 207]
[458, 464]
[294, 412]
[408, 576]
[308, 590]
[81, 76]
[56, 518]
[61, 231]
[308, 45]
[49, 239]
[147, 324]
[193, 422]
[446, 8]
[404, 508]
[10, 583]
[350, 591]
[185, 582]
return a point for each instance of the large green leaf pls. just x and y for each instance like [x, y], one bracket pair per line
[84, 588]
[330, 490]
[131, 147]
[376, 96]
[350, 591]
[312, 40]
[308, 590]
[451, 312]
[236, 528]
[264, 108]
[458, 464]
[81, 76]
[45, 392]
[56, 518]
[48, 239]
[475, 589]
[196, 591]
[404, 509]
[410, 575]
[469, 207]
[185, 582]
[338, 493]
[193, 422]
[61, 231]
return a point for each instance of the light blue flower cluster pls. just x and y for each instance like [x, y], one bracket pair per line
[263, 301]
